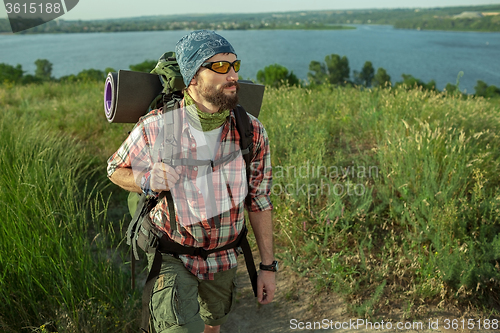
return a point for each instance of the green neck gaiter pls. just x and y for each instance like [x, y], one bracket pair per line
[208, 121]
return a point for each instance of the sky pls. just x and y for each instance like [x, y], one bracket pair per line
[105, 9]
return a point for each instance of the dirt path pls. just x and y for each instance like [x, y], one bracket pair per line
[296, 305]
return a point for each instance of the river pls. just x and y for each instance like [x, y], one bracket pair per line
[427, 55]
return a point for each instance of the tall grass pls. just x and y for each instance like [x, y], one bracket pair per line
[58, 254]
[421, 219]
[387, 196]
[74, 109]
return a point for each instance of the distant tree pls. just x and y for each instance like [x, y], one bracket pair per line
[317, 74]
[68, 78]
[145, 66]
[431, 85]
[483, 90]
[365, 77]
[451, 88]
[335, 70]
[357, 78]
[85, 75]
[492, 91]
[28, 79]
[381, 78]
[410, 82]
[338, 68]
[480, 88]
[244, 25]
[276, 75]
[43, 69]
[91, 75]
[10, 74]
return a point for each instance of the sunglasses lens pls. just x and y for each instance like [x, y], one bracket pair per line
[221, 67]
[236, 65]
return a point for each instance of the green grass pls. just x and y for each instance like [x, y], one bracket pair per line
[388, 197]
[60, 267]
[423, 224]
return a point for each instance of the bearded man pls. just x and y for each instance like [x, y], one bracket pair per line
[194, 293]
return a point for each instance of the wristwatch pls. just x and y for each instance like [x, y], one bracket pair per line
[273, 267]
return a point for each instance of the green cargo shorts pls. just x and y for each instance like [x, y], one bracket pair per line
[180, 302]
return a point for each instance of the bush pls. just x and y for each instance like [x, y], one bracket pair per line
[146, 66]
[409, 82]
[276, 75]
[10, 74]
[381, 78]
[43, 69]
[335, 70]
[483, 90]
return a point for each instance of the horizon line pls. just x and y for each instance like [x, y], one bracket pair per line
[270, 12]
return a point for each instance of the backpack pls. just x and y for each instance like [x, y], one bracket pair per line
[141, 232]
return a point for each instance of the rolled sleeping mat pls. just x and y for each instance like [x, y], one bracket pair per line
[128, 94]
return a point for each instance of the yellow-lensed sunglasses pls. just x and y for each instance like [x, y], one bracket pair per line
[222, 67]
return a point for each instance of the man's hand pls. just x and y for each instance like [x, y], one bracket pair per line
[164, 177]
[266, 286]
[262, 226]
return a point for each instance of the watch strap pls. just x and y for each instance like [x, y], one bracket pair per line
[273, 267]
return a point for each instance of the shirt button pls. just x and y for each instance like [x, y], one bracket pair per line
[199, 192]
[195, 168]
[193, 145]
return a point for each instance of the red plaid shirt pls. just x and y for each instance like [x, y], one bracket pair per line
[194, 229]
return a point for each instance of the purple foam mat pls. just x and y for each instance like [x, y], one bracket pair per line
[109, 96]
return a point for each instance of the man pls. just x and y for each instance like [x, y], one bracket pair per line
[192, 294]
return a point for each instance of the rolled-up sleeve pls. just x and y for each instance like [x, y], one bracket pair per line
[133, 153]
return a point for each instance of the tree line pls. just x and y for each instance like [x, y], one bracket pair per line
[485, 23]
[440, 18]
[334, 70]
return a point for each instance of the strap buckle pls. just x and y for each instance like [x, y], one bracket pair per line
[153, 241]
[201, 252]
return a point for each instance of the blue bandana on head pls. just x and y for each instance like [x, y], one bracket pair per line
[195, 48]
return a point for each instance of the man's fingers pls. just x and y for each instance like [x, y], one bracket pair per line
[167, 178]
[158, 184]
[269, 295]
[163, 169]
[266, 287]
[164, 177]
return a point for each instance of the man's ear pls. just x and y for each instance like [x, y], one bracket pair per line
[194, 81]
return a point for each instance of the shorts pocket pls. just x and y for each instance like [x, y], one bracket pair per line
[164, 304]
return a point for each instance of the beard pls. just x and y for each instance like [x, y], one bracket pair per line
[218, 97]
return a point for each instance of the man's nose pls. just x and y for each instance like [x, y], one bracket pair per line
[232, 75]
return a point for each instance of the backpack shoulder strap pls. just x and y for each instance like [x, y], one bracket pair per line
[166, 135]
[171, 140]
[245, 129]
[171, 130]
